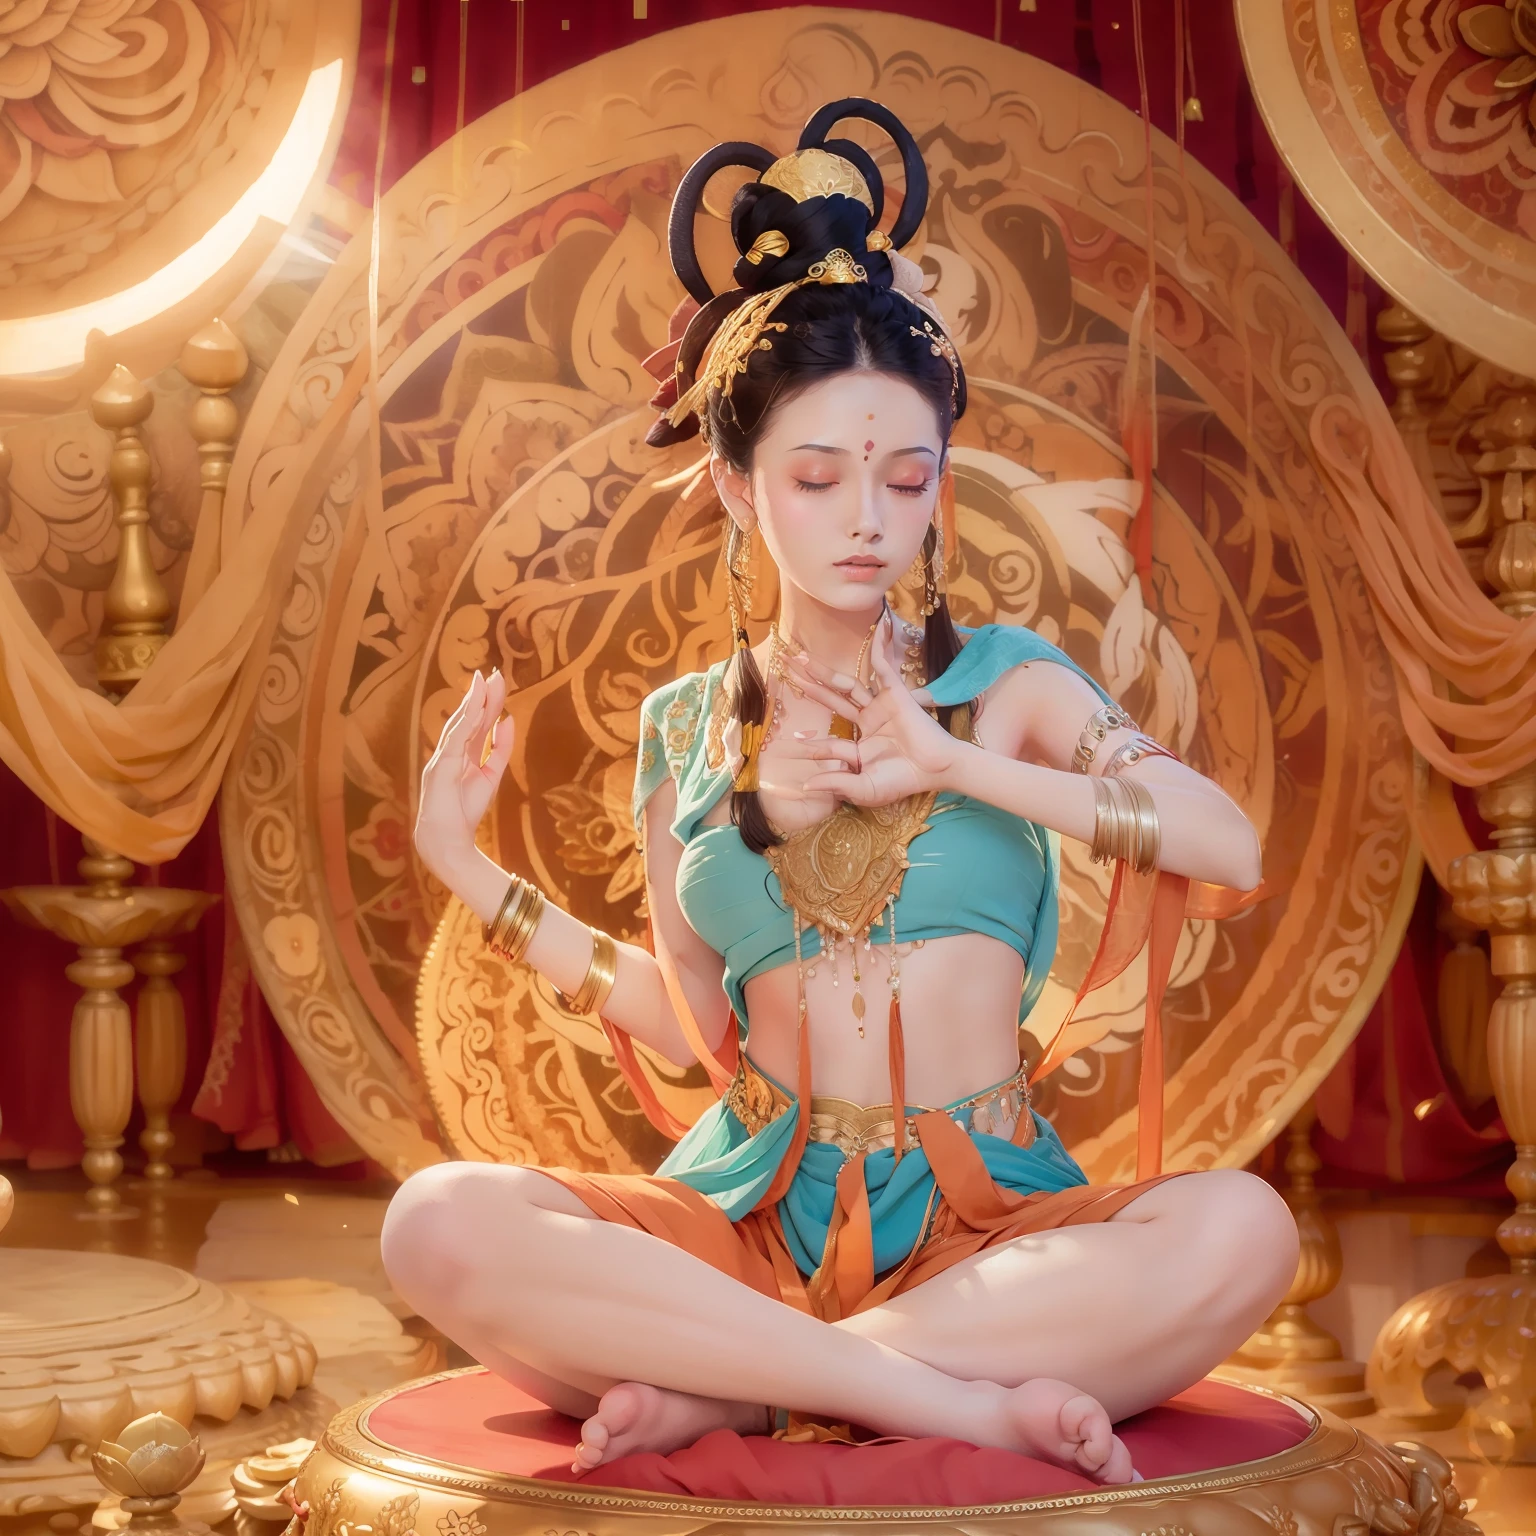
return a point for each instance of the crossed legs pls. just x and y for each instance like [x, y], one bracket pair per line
[1035, 1345]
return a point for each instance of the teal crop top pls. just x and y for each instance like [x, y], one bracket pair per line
[976, 869]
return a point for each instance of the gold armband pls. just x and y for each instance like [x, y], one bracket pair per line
[1125, 824]
[602, 972]
[1107, 718]
[1137, 750]
[511, 931]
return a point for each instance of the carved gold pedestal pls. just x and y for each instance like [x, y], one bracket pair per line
[90, 1343]
[1335, 1482]
[103, 917]
[1292, 1353]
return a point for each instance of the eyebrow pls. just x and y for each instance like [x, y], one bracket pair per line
[828, 448]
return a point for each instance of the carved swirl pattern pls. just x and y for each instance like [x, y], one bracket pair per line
[522, 523]
[1417, 146]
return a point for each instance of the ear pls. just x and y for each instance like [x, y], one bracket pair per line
[735, 491]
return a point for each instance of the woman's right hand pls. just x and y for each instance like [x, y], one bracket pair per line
[461, 776]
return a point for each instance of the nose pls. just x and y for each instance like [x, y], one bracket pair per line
[869, 524]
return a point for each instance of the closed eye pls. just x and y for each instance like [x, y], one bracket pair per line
[815, 485]
[912, 490]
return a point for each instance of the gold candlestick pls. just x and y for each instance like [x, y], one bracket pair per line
[1290, 1352]
[103, 917]
[215, 360]
[137, 604]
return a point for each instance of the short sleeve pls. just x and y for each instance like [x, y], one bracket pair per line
[991, 651]
[671, 724]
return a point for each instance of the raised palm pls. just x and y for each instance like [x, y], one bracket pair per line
[462, 774]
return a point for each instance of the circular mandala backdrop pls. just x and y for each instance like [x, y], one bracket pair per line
[521, 522]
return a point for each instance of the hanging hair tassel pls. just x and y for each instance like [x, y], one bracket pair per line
[746, 780]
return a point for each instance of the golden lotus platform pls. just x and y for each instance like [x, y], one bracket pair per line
[90, 1342]
[465, 1454]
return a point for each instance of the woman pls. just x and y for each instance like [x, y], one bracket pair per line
[857, 809]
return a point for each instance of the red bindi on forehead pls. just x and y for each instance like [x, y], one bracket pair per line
[869, 445]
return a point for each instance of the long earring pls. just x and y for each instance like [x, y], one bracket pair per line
[738, 582]
[933, 568]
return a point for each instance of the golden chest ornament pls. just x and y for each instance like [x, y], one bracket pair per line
[840, 874]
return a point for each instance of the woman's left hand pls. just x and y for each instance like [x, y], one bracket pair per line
[902, 750]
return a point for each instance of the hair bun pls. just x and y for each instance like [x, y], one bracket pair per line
[826, 195]
[781, 237]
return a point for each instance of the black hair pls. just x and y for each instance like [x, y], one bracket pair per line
[830, 328]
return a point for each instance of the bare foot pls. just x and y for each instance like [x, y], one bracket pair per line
[1056, 1422]
[635, 1417]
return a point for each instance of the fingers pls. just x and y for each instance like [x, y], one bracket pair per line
[841, 692]
[820, 693]
[856, 788]
[498, 749]
[808, 746]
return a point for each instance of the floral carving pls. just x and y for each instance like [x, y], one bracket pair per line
[1456, 81]
[61, 118]
[1508, 33]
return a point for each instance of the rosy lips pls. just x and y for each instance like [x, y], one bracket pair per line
[861, 567]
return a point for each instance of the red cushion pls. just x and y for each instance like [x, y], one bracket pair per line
[475, 1420]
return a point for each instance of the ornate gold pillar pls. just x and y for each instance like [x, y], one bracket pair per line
[1292, 1353]
[1486, 1325]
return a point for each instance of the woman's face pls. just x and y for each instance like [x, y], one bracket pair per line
[843, 485]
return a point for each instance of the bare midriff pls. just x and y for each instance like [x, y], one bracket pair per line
[959, 1012]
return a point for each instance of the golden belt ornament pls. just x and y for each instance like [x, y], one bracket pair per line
[853, 1128]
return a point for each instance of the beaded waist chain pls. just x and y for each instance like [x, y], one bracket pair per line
[757, 1101]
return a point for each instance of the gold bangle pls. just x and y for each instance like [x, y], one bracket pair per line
[1102, 849]
[490, 930]
[1106, 718]
[517, 897]
[1125, 824]
[517, 931]
[1149, 832]
[597, 984]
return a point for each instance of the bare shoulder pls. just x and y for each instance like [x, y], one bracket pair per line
[1037, 710]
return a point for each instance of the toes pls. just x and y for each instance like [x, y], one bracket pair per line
[1085, 1427]
[1118, 1468]
[594, 1441]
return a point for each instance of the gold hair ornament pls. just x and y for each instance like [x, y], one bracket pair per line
[812, 173]
[744, 332]
[941, 346]
[772, 242]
